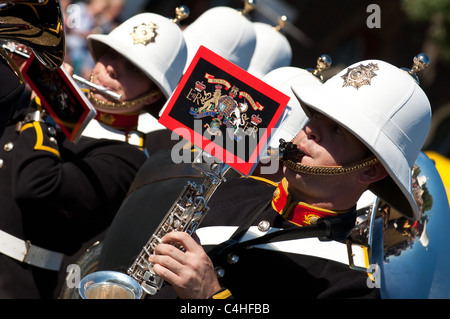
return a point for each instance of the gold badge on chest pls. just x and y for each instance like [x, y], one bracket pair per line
[144, 33]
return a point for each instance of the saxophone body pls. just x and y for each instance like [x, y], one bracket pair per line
[184, 216]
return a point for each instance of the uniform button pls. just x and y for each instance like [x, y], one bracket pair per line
[314, 220]
[52, 130]
[263, 226]
[1, 163]
[8, 146]
[232, 258]
[220, 272]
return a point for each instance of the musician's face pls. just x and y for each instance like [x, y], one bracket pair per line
[326, 143]
[117, 74]
[323, 142]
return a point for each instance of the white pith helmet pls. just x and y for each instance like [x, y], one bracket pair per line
[293, 118]
[153, 43]
[226, 32]
[386, 109]
[272, 50]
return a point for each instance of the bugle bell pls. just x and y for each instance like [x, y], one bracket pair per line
[38, 24]
[12, 47]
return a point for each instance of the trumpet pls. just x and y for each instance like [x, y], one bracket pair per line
[12, 48]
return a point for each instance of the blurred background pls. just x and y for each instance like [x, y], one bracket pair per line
[337, 28]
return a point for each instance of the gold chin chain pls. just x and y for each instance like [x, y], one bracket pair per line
[329, 170]
[121, 105]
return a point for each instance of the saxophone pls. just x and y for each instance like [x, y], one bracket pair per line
[185, 215]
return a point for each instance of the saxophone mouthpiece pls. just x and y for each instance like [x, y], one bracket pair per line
[287, 150]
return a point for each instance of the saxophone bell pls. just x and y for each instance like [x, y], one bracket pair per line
[109, 285]
[12, 47]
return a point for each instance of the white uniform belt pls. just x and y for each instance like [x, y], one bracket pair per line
[27, 253]
[331, 250]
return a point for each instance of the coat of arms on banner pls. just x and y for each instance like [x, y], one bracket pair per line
[224, 110]
[231, 110]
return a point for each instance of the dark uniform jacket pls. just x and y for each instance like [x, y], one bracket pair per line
[10, 92]
[57, 195]
[258, 273]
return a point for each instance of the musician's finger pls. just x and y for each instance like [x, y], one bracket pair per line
[165, 267]
[183, 239]
[68, 68]
[171, 251]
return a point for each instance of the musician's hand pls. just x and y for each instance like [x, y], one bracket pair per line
[191, 272]
[17, 58]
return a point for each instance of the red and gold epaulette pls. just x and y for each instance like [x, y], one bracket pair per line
[299, 213]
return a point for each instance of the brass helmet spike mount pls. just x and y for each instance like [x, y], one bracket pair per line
[249, 5]
[282, 21]
[420, 62]
[181, 13]
[323, 62]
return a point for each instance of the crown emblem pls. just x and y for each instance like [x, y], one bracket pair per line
[234, 91]
[199, 86]
[360, 75]
[255, 120]
[144, 33]
[106, 118]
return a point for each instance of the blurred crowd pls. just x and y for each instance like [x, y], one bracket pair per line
[83, 18]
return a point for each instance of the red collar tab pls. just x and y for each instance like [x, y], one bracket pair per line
[298, 213]
[123, 122]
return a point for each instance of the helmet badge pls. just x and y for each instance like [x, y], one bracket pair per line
[144, 33]
[360, 75]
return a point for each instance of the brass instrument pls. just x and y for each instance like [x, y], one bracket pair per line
[185, 215]
[97, 87]
[37, 24]
[12, 47]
